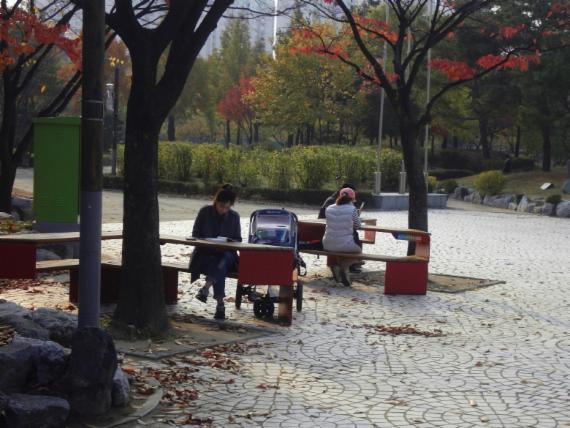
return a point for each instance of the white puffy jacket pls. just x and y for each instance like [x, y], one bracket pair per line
[339, 233]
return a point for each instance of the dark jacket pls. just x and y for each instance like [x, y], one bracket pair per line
[331, 200]
[209, 224]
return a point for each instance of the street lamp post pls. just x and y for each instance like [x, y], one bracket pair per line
[91, 163]
[378, 173]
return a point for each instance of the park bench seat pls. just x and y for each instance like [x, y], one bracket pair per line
[371, 257]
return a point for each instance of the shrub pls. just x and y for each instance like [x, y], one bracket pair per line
[312, 168]
[554, 199]
[281, 170]
[447, 186]
[174, 161]
[432, 182]
[444, 174]
[522, 164]
[490, 182]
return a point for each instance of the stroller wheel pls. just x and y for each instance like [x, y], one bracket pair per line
[263, 309]
[239, 294]
[299, 296]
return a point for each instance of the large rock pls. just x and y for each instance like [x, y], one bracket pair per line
[36, 411]
[469, 197]
[538, 209]
[548, 209]
[19, 318]
[566, 187]
[513, 206]
[3, 403]
[523, 205]
[530, 208]
[460, 192]
[49, 359]
[6, 216]
[61, 325]
[30, 361]
[563, 209]
[121, 389]
[477, 198]
[88, 381]
[24, 207]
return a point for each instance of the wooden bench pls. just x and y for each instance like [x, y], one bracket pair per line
[111, 278]
[404, 274]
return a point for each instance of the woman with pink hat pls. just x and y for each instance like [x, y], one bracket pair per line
[342, 221]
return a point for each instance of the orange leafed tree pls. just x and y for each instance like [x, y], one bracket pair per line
[27, 41]
[418, 29]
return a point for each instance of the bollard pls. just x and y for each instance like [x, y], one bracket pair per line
[377, 182]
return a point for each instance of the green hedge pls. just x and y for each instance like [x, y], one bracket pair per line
[490, 182]
[297, 196]
[308, 168]
[446, 174]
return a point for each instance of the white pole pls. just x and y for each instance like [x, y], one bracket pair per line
[428, 95]
[378, 175]
[275, 30]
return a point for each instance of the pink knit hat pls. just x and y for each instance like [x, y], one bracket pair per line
[349, 192]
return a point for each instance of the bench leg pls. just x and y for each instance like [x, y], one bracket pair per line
[170, 277]
[406, 278]
[74, 285]
[18, 261]
[285, 311]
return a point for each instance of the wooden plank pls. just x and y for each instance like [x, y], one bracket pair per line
[229, 246]
[51, 238]
[371, 257]
[51, 265]
[372, 228]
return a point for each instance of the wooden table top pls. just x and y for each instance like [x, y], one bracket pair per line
[372, 227]
[231, 246]
[51, 238]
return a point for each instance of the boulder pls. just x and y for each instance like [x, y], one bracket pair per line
[3, 403]
[88, 381]
[548, 209]
[38, 411]
[61, 325]
[513, 206]
[24, 207]
[17, 366]
[530, 208]
[43, 254]
[566, 187]
[19, 318]
[460, 192]
[49, 359]
[6, 216]
[563, 209]
[523, 205]
[469, 197]
[538, 209]
[477, 198]
[121, 389]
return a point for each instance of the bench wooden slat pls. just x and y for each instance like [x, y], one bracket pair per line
[371, 257]
[375, 228]
[51, 238]
[52, 265]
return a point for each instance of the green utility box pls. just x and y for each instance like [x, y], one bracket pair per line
[57, 151]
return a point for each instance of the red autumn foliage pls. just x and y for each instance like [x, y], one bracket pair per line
[233, 106]
[22, 32]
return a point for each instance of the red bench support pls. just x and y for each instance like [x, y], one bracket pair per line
[17, 261]
[405, 278]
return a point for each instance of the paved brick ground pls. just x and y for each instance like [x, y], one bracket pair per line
[503, 361]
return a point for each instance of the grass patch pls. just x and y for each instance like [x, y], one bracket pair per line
[528, 183]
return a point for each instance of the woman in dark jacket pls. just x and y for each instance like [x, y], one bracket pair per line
[216, 220]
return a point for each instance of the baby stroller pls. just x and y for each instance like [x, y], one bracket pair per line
[272, 227]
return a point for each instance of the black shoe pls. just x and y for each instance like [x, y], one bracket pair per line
[355, 269]
[202, 295]
[220, 313]
[344, 278]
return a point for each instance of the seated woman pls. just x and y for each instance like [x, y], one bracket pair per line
[342, 221]
[216, 220]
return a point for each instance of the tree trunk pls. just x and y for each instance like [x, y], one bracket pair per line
[518, 142]
[418, 212]
[238, 134]
[484, 138]
[228, 134]
[256, 133]
[444, 143]
[546, 148]
[290, 140]
[455, 142]
[141, 300]
[7, 177]
[171, 128]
